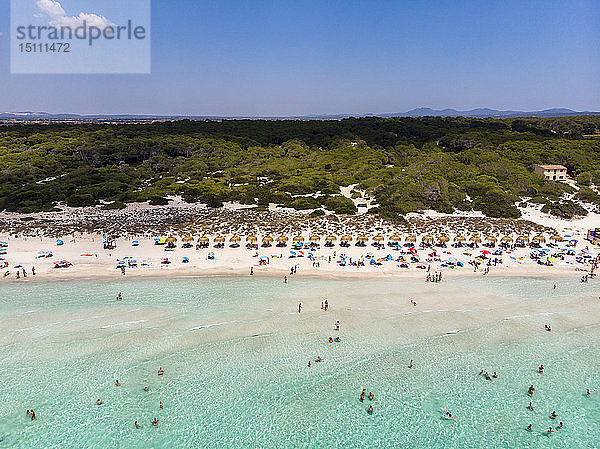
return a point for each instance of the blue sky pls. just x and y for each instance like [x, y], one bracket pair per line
[301, 57]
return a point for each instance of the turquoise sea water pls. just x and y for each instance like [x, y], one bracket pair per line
[235, 355]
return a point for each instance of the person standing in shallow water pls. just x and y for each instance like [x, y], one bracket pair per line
[299, 307]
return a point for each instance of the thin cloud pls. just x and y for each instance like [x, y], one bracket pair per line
[58, 17]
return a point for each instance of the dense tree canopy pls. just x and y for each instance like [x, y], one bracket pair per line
[406, 164]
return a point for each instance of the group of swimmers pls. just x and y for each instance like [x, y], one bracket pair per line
[553, 415]
[371, 397]
[160, 372]
[487, 376]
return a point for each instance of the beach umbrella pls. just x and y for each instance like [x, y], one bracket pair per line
[443, 238]
[235, 239]
[475, 239]
[203, 239]
[219, 239]
[346, 238]
[330, 238]
[411, 238]
[506, 239]
[362, 238]
[314, 238]
[491, 238]
[171, 239]
[378, 238]
[267, 239]
[298, 238]
[556, 238]
[427, 238]
[282, 239]
[251, 238]
[523, 239]
[395, 238]
[188, 238]
[459, 238]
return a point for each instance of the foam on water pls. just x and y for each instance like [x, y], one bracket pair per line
[243, 380]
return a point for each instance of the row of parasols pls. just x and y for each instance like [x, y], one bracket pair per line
[378, 238]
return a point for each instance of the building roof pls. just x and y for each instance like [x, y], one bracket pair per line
[553, 167]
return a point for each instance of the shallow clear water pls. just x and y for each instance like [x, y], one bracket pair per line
[235, 355]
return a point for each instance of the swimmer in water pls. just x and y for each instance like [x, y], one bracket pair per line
[550, 430]
[155, 422]
[530, 390]
[447, 414]
[495, 375]
[137, 426]
[146, 389]
[410, 364]
[330, 340]
[319, 359]
[553, 415]
[371, 396]
[487, 376]
[530, 407]
[160, 371]
[529, 427]
[560, 424]
[362, 397]
[309, 364]
[589, 392]
[480, 372]
[370, 410]
[99, 402]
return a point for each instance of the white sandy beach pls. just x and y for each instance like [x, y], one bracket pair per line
[90, 260]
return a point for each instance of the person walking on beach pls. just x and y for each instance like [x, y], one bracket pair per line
[251, 271]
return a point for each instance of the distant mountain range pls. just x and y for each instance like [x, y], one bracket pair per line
[417, 112]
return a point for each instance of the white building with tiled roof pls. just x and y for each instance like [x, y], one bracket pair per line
[552, 172]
